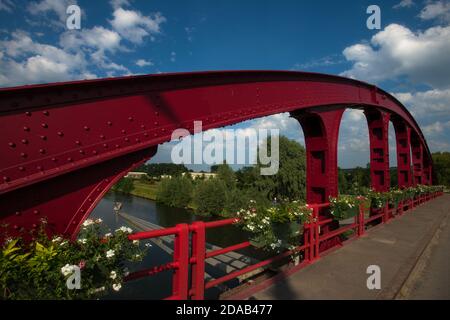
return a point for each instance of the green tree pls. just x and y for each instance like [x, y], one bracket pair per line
[210, 196]
[441, 168]
[175, 191]
[227, 175]
[290, 180]
[124, 185]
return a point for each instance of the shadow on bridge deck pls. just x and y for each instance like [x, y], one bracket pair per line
[397, 247]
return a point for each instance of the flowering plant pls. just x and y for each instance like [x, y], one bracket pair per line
[39, 269]
[275, 228]
[345, 206]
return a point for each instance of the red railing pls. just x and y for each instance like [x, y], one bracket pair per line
[189, 256]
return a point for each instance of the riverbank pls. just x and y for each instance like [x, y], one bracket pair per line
[147, 190]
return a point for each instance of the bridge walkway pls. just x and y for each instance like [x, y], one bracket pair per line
[403, 249]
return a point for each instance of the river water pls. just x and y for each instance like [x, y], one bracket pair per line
[159, 286]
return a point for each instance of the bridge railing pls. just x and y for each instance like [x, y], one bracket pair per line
[190, 252]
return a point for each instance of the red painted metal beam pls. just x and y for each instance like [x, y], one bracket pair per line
[378, 124]
[64, 144]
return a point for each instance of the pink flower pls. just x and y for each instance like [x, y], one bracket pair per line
[82, 264]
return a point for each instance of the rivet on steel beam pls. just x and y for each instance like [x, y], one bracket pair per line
[102, 137]
[6, 179]
[155, 123]
[24, 141]
[106, 180]
[60, 133]
[78, 142]
[35, 211]
[109, 123]
[44, 138]
[86, 128]
[54, 159]
[155, 134]
[39, 168]
[117, 146]
[44, 125]
[94, 152]
[145, 134]
[12, 144]
[82, 210]
[156, 113]
[163, 129]
[23, 154]
[138, 140]
[130, 118]
[105, 145]
[16, 227]
[81, 151]
[28, 113]
[69, 159]
[126, 139]
[17, 213]
[143, 126]
[41, 151]
[21, 168]
[26, 128]
[46, 113]
[34, 225]
[124, 131]
[73, 222]
[90, 199]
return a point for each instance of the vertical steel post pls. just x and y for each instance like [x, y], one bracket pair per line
[403, 143]
[198, 267]
[180, 285]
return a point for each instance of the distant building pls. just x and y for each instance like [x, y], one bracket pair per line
[136, 175]
[196, 175]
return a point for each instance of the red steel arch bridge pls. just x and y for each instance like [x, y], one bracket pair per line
[64, 145]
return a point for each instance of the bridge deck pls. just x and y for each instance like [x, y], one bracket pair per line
[399, 248]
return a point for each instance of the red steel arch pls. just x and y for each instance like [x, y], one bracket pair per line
[63, 145]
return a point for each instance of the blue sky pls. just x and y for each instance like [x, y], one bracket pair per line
[408, 57]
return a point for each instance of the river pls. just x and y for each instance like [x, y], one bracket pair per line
[159, 286]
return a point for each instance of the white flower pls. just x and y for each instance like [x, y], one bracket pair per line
[57, 239]
[110, 253]
[83, 241]
[117, 286]
[88, 222]
[63, 243]
[124, 229]
[148, 245]
[99, 220]
[137, 255]
[136, 242]
[113, 275]
[109, 234]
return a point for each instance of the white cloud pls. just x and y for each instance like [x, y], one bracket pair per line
[57, 7]
[436, 10]
[143, 63]
[134, 26]
[6, 5]
[430, 104]
[397, 51]
[119, 3]
[173, 56]
[98, 38]
[24, 61]
[404, 4]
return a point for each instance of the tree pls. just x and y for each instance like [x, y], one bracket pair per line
[290, 180]
[124, 185]
[210, 196]
[175, 192]
[227, 175]
[441, 168]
